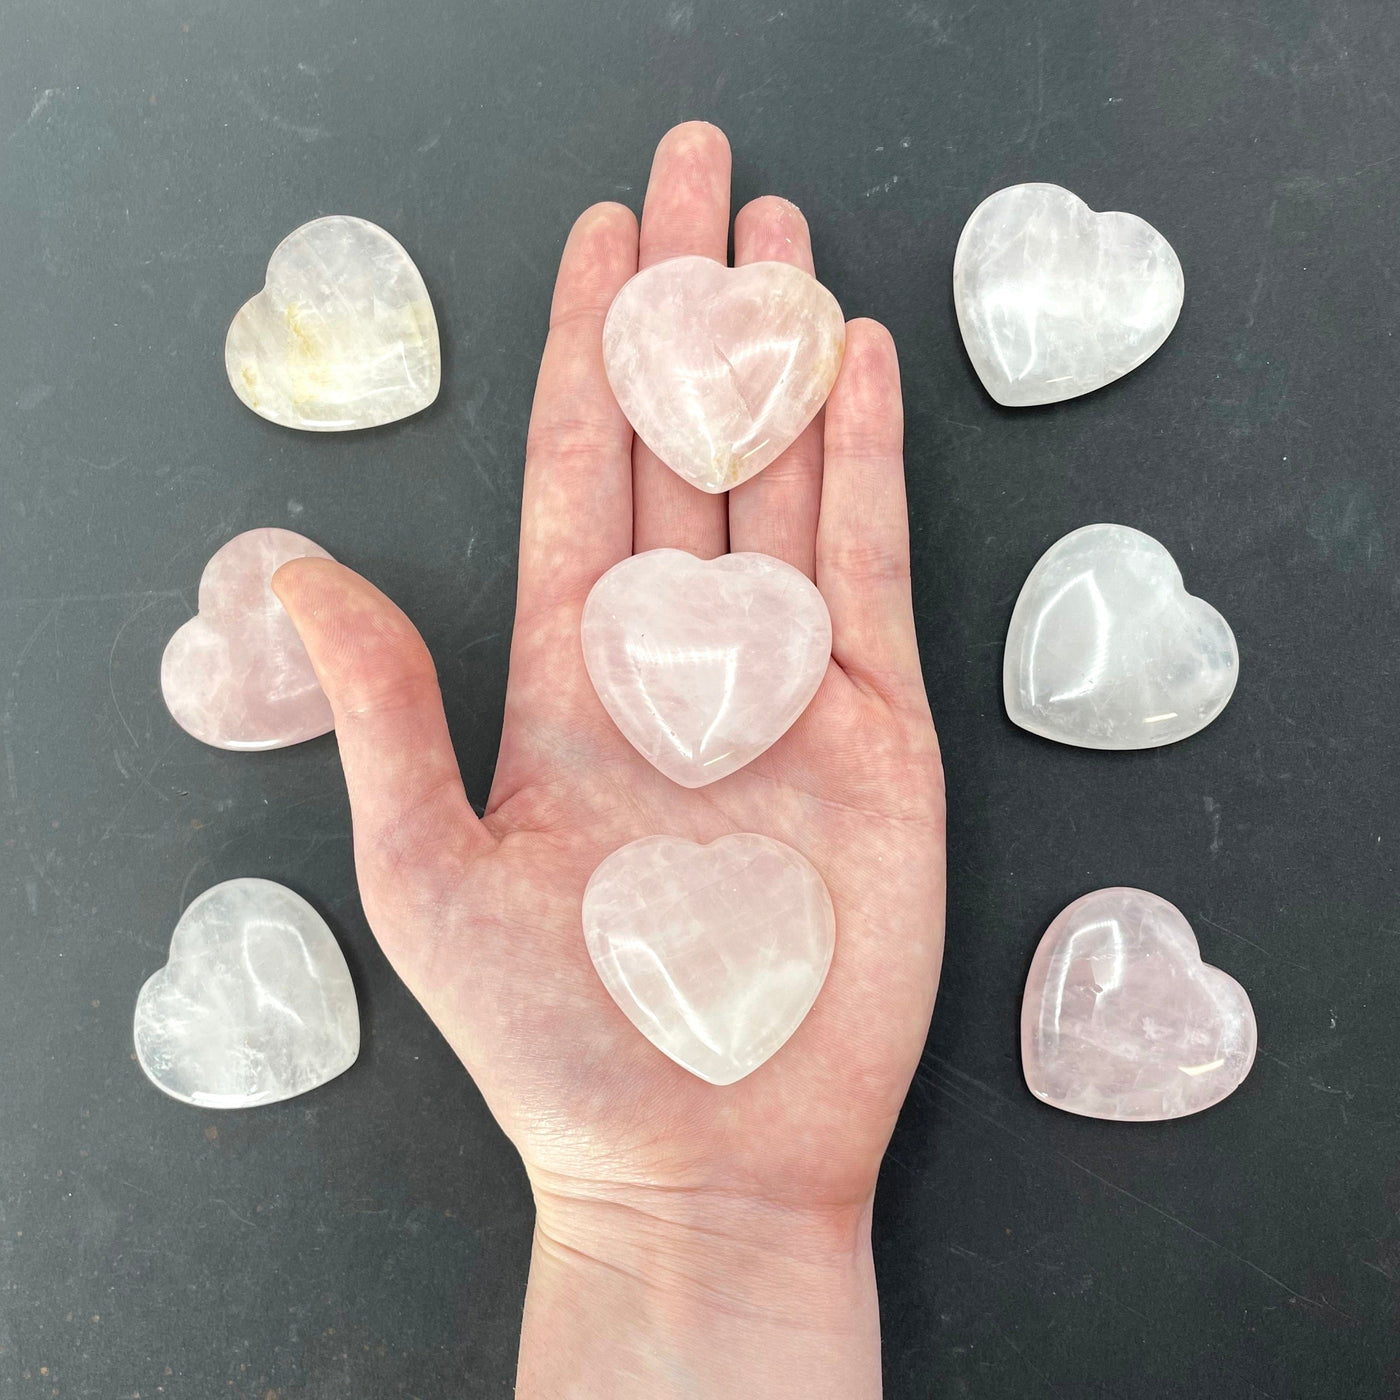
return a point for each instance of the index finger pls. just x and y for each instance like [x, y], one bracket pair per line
[576, 510]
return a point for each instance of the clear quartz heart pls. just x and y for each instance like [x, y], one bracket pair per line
[255, 1005]
[236, 675]
[720, 368]
[341, 336]
[1055, 300]
[1122, 1019]
[715, 953]
[1107, 650]
[704, 664]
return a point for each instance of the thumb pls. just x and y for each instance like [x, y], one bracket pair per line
[415, 831]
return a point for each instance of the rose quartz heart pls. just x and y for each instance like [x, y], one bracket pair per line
[719, 368]
[236, 674]
[1122, 1019]
[703, 664]
[715, 953]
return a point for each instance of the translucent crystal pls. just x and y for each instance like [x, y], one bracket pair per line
[715, 953]
[1107, 650]
[255, 1004]
[719, 368]
[704, 664]
[1055, 300]
[1122, 1019]
[341, 336]
[236, 675]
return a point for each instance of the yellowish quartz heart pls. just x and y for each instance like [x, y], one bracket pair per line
[342, 335]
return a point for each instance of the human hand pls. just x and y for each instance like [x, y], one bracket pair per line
[690, 1240]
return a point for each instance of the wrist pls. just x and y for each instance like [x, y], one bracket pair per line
[664, 1293]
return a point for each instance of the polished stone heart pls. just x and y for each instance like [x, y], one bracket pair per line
[1055, 300]
[236, 674]
[1122, 1019]
[704, 664]
[720, 368]
[715, 953]
[342, 335]
[255, 1005]
[1107, 650]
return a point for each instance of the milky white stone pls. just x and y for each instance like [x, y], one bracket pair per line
[236, 675]
[720, 368]
[342, 335]
[1055, 300]
[255, 1004]
[703, 664]
[1122, 1019]
[715, 953]
[1107, 650]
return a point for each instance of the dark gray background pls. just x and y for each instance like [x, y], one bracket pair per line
[371, 1239]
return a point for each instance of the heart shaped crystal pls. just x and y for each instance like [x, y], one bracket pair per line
[715, 953]
[1107, 650]
[236, 674]
[341, 336]
[255, 1004]
[703, 664]
[1055, 300]
[1122, 1019]
[719, 368]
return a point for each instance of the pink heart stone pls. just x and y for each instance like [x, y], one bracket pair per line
[236, 674]
[1122, 1019]
[715, 953]
[719, 368]
[703, 664]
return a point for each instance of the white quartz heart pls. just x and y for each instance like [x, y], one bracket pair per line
[1107, 650]
[720, 368]
[715, 953]
[1055, 300]
[236, 675]
[704, 664]
[255, 1005]
[342, 335]
[1122, 1019]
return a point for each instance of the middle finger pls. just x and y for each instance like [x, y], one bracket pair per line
[686, 212]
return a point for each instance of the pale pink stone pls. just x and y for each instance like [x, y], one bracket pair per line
[719, 368]
[236, 675]
[1122, 1019]
[703, 664]
[715, 953]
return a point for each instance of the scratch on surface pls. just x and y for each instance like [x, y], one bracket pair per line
[39, 108]
[11, 779]
[1028, 1363]
[144, 781]
[7, 716]
[249, 99]
[111, 666]
[243, 1219]
[1328, 1089]
[884, 187]
[1230, 933]
[961, 1099]
[1259, 277]
[1213, 812]
[1037, 124]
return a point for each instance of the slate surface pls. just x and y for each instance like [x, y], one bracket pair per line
[371, 1239]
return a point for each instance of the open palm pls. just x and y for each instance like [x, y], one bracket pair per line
[481, 917]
